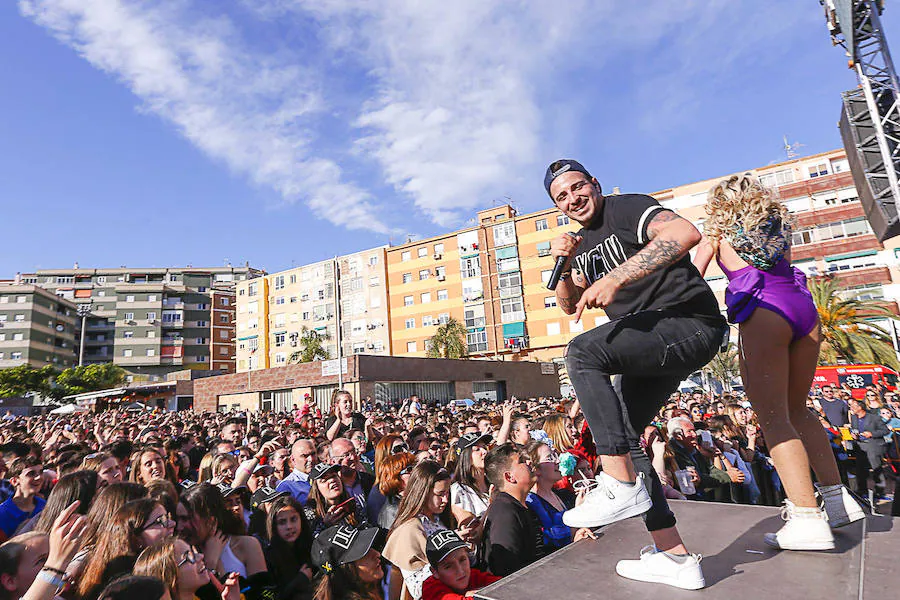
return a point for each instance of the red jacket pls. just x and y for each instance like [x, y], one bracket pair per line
[434, 588]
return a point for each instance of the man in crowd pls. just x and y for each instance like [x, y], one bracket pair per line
[357, 482]
[709, 482]
[835, 409]
[303, 459]
[869, 431]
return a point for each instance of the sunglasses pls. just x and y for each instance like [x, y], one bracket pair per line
[435, 447]
[163, 521]
[399, 448]
[190, 556]
[407, 470]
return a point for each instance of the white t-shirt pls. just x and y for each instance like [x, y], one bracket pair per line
[468, 499]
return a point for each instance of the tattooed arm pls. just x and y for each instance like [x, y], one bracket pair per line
[671, 237]
[568, 292]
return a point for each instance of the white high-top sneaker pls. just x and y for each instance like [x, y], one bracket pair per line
[805, 529]
[608, 501]
[840, 506]
[658, 567]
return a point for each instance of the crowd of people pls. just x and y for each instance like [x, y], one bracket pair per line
[368, 500]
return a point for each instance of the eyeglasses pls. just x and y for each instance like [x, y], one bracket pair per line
[163, 521]
[407, 470]
[399, 448]
[191, 555]
[552, 458]
[435, 447]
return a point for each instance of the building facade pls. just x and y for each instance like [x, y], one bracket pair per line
[276, 311]
[37, 328]
[153, 321]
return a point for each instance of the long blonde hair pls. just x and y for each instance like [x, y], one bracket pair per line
[740, 201]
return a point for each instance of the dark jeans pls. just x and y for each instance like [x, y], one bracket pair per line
[869, 459]
[653, 351]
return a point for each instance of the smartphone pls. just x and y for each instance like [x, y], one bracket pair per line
[350, 503]
[705, 438]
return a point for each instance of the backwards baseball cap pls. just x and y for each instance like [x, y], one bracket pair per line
[227, 490]
[342, 544]
[265, 494]
[441, 543]
[323, 469]
[558, 167]
[467, 440]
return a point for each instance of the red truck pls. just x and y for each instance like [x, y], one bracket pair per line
[856, 377]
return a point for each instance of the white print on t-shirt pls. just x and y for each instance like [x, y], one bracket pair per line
[609, 251]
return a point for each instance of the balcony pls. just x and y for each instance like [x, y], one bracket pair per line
[862, 276]
[832, 214]
[837, 246]
[808, 187]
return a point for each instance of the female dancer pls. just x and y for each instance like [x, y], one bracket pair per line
[748, 233]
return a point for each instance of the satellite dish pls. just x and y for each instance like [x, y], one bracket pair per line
[60, 328]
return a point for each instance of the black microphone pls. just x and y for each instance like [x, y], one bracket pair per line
[558, 268]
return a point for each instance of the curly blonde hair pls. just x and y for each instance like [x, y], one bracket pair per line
[740, 201]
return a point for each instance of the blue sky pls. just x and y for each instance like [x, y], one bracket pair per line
[283, 132]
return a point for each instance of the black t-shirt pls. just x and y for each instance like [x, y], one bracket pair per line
[512, 536]
[619, 232]
[357, 421]
[836, 411]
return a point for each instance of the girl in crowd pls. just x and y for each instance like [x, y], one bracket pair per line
[135, 526]
[329, 503]
[182, 569]
[388, 445]
[469, 491]
[107, 467]
[203, 521]
[342, 417]
[549, 504]
[349, 571]
[395, 471]
[749, 234]
[80, 485]
[147, 464]
[562, 432]
[288, 551]
[425, 508]
[662, 458]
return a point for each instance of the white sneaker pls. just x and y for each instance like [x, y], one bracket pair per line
[805, 529]
[840, 506]
[609, 500]
[658, 567]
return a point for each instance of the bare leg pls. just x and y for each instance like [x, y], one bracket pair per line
[766, 340]
[804, 355]
[618, 466]
[668, 540]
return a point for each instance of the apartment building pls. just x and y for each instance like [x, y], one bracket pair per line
[37, 328]
[273, 311]
[494, 274]
[153, 321]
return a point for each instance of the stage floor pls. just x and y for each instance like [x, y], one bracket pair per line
[737, 563]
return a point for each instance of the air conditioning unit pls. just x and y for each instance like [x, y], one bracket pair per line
[371, 346]
[437, 256]
[131, 322]
[441, 277]
[152, 321]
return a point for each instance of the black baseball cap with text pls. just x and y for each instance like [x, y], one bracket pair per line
[563, 165]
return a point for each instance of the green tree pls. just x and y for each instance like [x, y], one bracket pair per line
[448, 341]
[89, 378]
[311, 348]
[849, 333]
[725, 366]
[25, 379]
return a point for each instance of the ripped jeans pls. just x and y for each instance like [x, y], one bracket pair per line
[652, 352]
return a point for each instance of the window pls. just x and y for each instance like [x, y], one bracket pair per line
[545, 275]
[439, 249]
[819, 170]
[427, 321]
[379, 345]
[202, 358]
[15, 355]
[4, 299]
[223, 350]
[375, 302]
[830, 231]
[101, 280]
[442, 295]
[576, 327]
[223, 334]
[540, 225]
[407, 278]
[2, 337]
[151, 351]
[280, 358]
[561, 220]
[21, 299]
[253, 289]
[552, 328]
[129, 298]
[279, 299]
[65, 280]
[411, 347]
[151, 334]
[410, 324]
[512, 310]
[543, 249]
[305, 316]
[19, 318]
[840, 165]
[470, 267]
[201, 288]
[474, 316]
[373, 260]
[405, 256]
[200, 340]
[18, 337]
[441, 272]
[408, 300]
[279, 339]
[293, 279]
[473, 291]
[127, 352]
[508, 259]
[129, 316]
[477, 341]
[510, 284]
[444, 318]
[2, 318]
[505, 234]
[777, 178]
[128, 335]
[151, 316]
[373, 281]
[422, 252]
[426, 297]
[279, 282]
[550, 302]
[424, 274]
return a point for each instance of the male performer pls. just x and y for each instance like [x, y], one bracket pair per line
[631, 259]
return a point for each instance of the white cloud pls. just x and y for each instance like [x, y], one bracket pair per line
[252, 111]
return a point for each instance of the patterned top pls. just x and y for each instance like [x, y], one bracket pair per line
[763, 246]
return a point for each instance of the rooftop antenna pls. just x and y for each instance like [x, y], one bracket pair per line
[791, 149]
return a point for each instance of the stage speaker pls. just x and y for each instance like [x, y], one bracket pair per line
[864, 155]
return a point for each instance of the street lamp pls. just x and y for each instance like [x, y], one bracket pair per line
[83, 311]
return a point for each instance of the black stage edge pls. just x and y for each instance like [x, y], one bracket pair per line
[736, 562]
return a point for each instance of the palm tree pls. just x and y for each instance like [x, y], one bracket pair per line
[724, 366]
[448, 341]
[311, 348]
[849, 334]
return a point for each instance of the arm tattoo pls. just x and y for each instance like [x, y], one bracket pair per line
[567, 303]
[658, 254]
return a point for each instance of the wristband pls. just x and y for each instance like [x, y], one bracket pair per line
[565, 275]
[48, 577]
